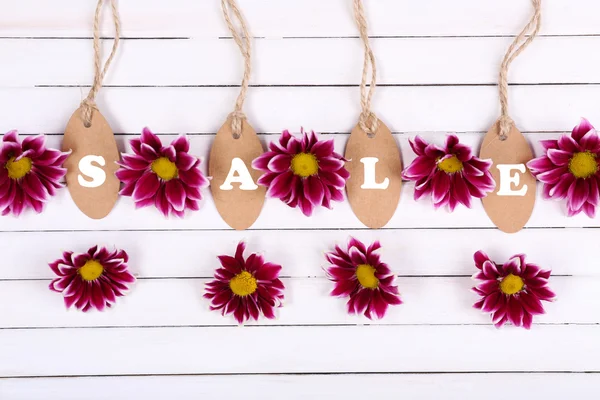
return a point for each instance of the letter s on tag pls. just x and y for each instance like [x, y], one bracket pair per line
[96, 174]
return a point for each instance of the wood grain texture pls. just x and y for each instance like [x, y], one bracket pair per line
[298, 387]
[177, 72]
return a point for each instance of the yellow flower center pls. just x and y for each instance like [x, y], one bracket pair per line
[18, 169]
[164, 168]
[305, 165]
[511, 284]
[583, 164]
[243, 284]
[450, 165]
[91, 270]
[366, 276]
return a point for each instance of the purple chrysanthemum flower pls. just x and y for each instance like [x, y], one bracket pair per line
[304, 173]
[569, 169]
[30, 173]
[92, 280]
[511, 292]
[245, 287]
[360, 275]
[167, 177]
[451, 174]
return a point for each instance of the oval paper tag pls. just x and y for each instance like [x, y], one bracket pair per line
[511, 203]
[91, 166]
[375, 167]
[237, 197]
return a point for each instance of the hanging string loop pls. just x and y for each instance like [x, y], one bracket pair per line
[519, 44]
[230, 8]
[88, 105]
[368, 121]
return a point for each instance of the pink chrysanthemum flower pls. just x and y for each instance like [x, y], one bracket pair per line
[29, 173]
[245, 287]
[167, 177]
[359, 274]
[569, 169]
[304, 173]
[91, 280]
[511, 292]
[451, 174]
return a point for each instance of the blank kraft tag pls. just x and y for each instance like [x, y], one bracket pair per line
[375, 181]
[511, 203]
[237, 197]
[92, 164]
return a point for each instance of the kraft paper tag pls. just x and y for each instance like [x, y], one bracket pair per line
[237, 196]
[92, 164]
[511, 203]
[375, 167]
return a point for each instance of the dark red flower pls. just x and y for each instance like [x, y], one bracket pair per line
[92, 280]
[30, 173]
[167, 177]
[304, 173]
[513, 291]
[451, 174]
[245, 288]
[359, 274]
[569, 169]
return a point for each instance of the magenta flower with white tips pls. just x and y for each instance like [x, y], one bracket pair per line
[93, 279]
[511, 292]
[246, 287]
[167, 177]
[359, 274]
[569, 169]
[30, 173]
[305, 173]
[450, 174]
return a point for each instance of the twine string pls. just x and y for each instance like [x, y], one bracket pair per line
[368, 121]
[243, 42]
[517, 47]
[88, 105]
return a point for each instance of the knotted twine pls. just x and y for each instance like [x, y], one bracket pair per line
[368, 121]
[88, 105]
[243, 42]
[516, 48]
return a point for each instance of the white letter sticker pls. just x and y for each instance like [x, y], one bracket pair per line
[243, 176]
[96, 174]
[506, 179]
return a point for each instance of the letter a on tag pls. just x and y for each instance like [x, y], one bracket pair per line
[375, 179]
[92, 164]
[239, 173]
[511, 203]
[237, 197]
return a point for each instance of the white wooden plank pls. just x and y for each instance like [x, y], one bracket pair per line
[300, 387]
[299, 61]
[179, 302]
[275, 18]
[324, 109]
[276, 215]
[192, 254]
[118, 351]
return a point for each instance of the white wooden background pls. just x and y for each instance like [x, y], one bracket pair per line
[176, 72]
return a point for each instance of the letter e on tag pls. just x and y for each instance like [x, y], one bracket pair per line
[511, 203]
